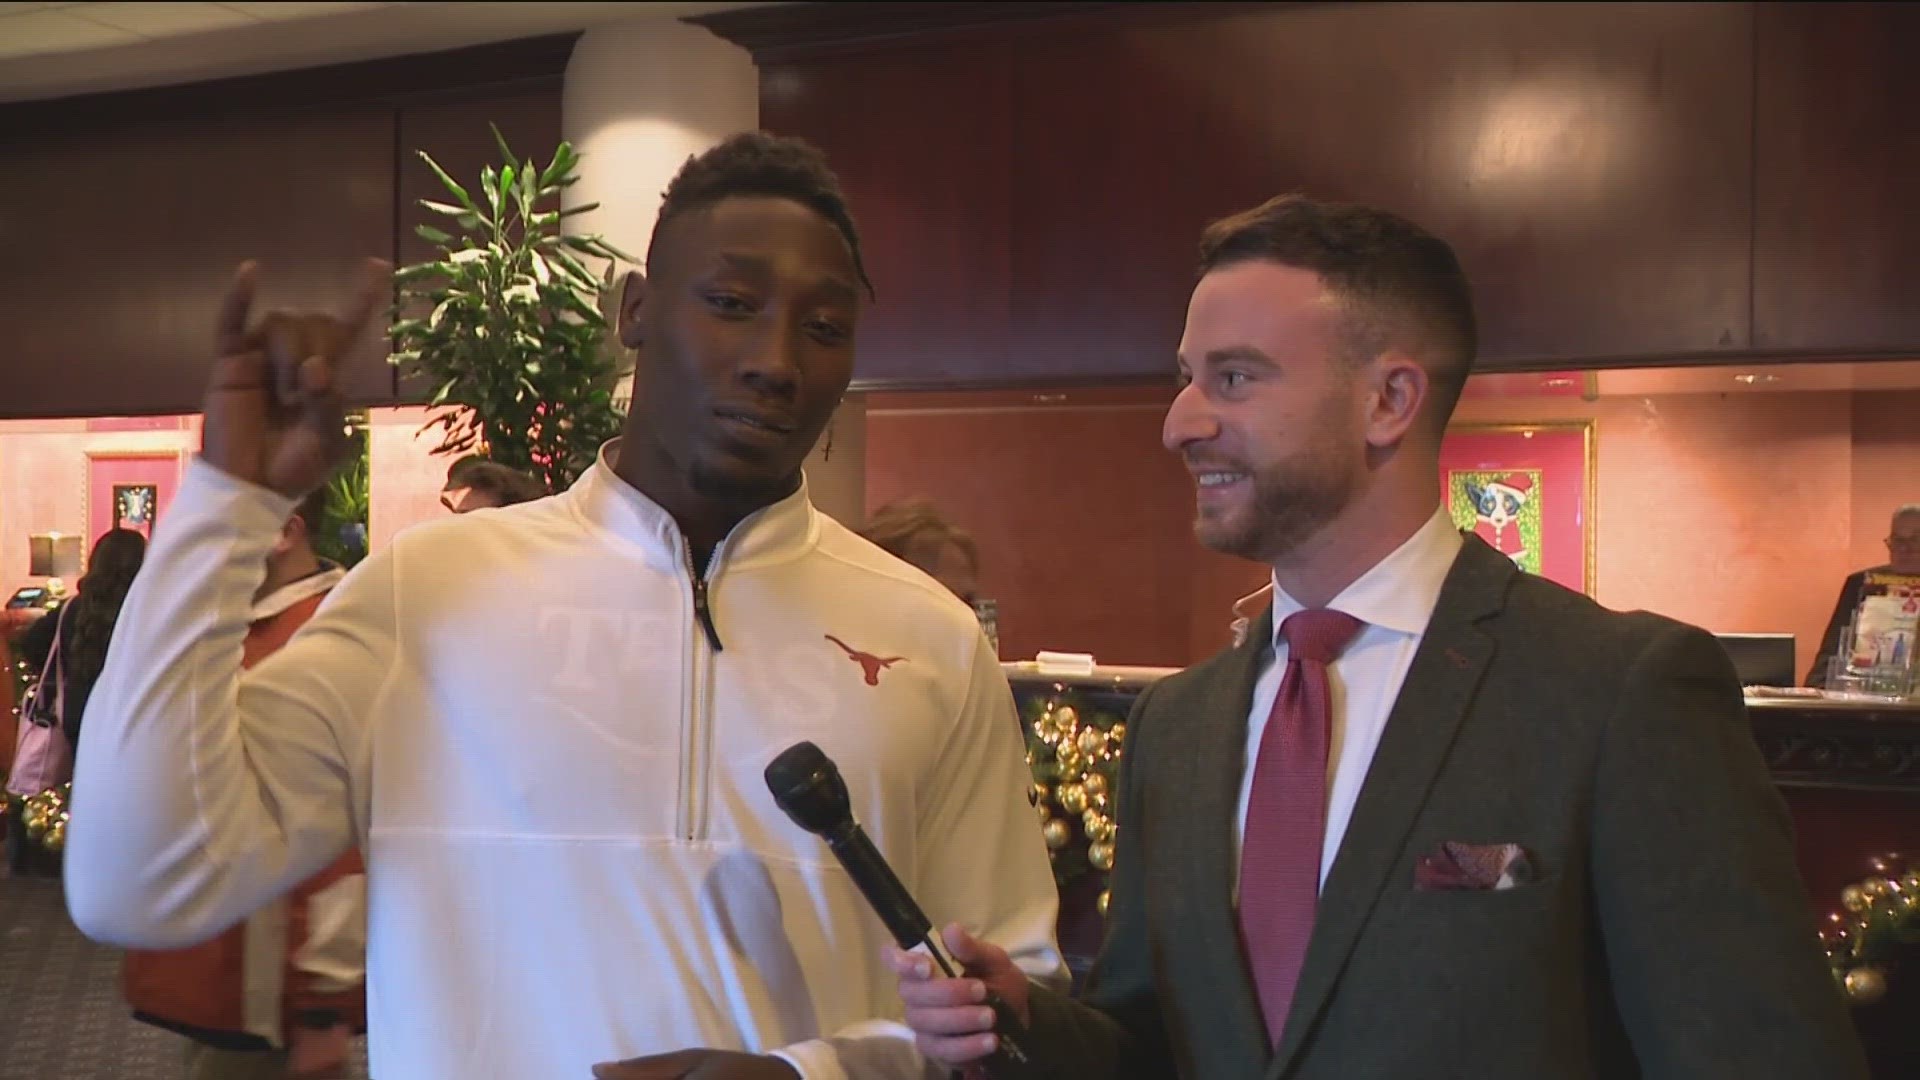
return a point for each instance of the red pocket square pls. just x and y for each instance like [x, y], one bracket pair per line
[1473, 866]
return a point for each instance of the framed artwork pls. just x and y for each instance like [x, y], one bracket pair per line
[134, 506]
[1527, 490]
[128, 489]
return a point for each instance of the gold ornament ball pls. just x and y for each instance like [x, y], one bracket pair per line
[1068, 756]
[56, 836]
[1099, 801]
[1073, 799]
[1095, 783]
[1118, 732]
[1866, 985]
[1909, 901]
[1100, 829]
[1876, 887]
[1040, 791]
[1065, 717]
[1093, 742]
[36, 827]
[1910, 881]
[1853, 899]
[1105, 896]
[1057, 833]
[1045, 814]
[1101, 856]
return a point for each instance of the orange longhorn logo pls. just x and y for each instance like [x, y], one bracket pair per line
[870, 664]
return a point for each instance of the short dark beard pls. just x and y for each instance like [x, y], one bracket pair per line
[1292, 502]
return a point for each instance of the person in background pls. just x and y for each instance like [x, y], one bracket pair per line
[912, 531]
[81, 629]
[89, 617]
[1903, 559]
[474, 483]
[549, 724]
[1434, 816]
[462, 468]
[277, 996]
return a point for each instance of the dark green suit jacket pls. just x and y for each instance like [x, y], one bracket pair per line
[1666, 935]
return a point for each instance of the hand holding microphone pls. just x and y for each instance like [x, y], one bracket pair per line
[950, 1016]
[986, 1023]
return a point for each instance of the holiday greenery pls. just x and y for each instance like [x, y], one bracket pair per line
[45, 816]
[506, 321]
[1074, 753]
[342, 537]
[23, 676]
[1879, 915]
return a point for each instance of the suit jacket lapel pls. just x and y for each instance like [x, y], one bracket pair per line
[1212, 762]
[1439, 688]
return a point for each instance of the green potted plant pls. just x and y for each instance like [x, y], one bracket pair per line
[507, 322]
[342, 538]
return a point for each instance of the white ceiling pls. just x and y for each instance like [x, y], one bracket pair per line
[59, 49]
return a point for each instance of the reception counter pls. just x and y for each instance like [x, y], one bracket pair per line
[1826, 744]
[1849, 769]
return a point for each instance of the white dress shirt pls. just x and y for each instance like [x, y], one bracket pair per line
[1395, 600]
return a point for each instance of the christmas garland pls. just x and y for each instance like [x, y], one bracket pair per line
[1074, 753]
[23, 677]
[45, 816]
[1880, 914]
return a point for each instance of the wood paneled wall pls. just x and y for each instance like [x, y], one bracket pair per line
[124, 215]
[1626, 183]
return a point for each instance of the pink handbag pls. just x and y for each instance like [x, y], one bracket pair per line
[42, 756]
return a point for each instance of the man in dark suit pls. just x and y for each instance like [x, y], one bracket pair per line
[1434, 817]
[1903, 553]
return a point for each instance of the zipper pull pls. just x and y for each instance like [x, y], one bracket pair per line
[705, 614]
[702, 613]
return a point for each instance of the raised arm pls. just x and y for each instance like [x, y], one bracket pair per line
[202, 793]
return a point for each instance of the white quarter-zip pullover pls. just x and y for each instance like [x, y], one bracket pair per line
[557, 780]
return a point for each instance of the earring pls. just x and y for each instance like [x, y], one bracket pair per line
[826, 452]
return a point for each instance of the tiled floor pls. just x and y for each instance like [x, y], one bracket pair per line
[60, 1008]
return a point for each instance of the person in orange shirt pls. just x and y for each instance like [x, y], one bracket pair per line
[279, 995]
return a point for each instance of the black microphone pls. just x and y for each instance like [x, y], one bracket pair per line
[807, 785]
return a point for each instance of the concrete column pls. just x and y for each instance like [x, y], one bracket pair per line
[640, 99]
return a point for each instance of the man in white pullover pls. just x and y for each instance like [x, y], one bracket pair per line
[547, 724]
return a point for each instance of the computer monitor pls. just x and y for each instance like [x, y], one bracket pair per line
[30, 596]
[1761, 659]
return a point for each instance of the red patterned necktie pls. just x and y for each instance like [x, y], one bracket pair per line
[1286, 823]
